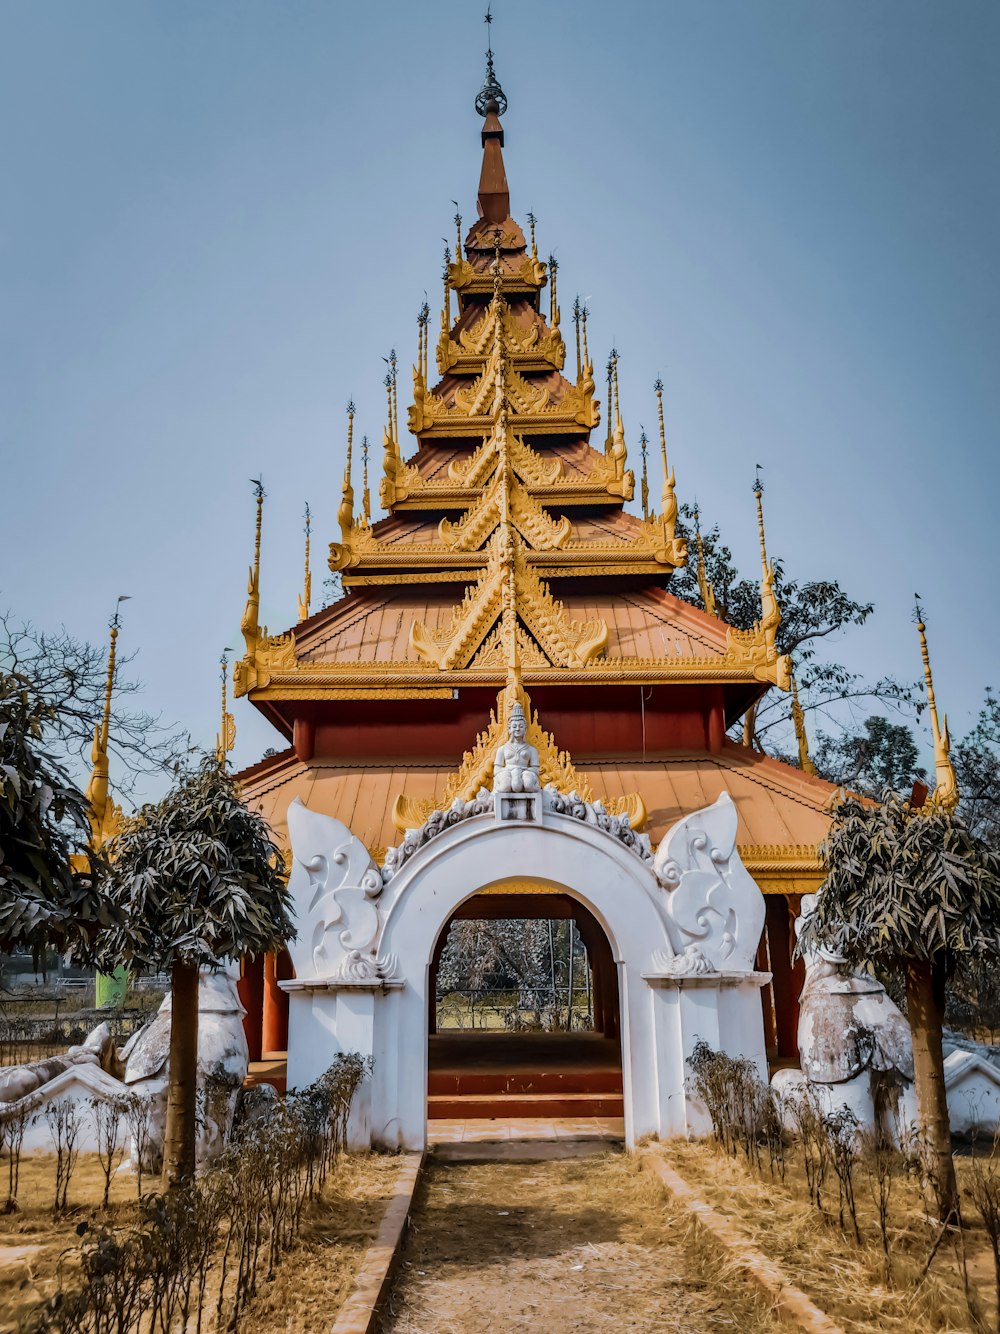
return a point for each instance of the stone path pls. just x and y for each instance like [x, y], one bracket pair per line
[579, 1244]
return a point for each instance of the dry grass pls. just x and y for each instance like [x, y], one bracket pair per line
[581, 1244]
[847, 1281]
[309, 1285]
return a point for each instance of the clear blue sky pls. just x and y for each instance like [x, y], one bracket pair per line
[217, 217]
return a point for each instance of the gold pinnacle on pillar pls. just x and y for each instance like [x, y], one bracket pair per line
[668, 497]
[104, 814]
[553, 303]
[395, 405]
[531, 223]
[458, 238]
[250, 624]
[306, 597]
[226, 738]
[946, 794]
[446, 309]
[576, 322]
[609, 438]
[345, 515]
[770, 617]
[366, 495]
[644, 451]
[799, 723]
[704, 583]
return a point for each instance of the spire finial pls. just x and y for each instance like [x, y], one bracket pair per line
[668, 500]
[226, 738]
[306, 597]
[553, 302]
[584, 312]
[458, 232]
[345, 515]
[610, 369]
[393, 364]
[366, 495]
[799, 722]
[531, 223]
[758, 490]
[97, 787]
[577, 308]
[491, 96]
[704, 583]
[250, 623]
[644, 451]
[945, 795]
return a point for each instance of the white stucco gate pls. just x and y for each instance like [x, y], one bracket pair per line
[683, 928]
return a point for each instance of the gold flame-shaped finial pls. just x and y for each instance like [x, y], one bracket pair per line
[306, 597]
[644, 491]
[366, 495]
[946, 794]
[226, 738]
[103, 813]
[704, 583]
[250, 624]
[345, 515]
[668, 497]
[799, 723]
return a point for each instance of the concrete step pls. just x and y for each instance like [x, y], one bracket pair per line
[444, 1107]
[517, 1081]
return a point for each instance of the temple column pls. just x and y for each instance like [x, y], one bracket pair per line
[250, 989]
[787, 978]
[277, 968]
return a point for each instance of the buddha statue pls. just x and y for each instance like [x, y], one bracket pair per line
[515, 768]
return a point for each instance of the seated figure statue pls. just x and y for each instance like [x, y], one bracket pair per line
[515, 768]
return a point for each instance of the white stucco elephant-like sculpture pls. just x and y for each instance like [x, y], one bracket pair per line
[714, 905]
[334, 884]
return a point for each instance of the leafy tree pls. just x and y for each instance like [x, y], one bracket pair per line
[811, 611]
[883, 754]
[43, 823]
[67, 677]
[912, 893]
[196, 879]
[977, 764]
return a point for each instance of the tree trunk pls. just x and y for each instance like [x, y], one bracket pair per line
[182, 1091]
[925, 1008]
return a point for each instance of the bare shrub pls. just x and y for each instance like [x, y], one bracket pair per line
[13, 1128]
[138, 1116]
[109, 1121]
[842, 1133]
[880, 1162]
[986, 1198]
[64, 1129]
[807, 1117]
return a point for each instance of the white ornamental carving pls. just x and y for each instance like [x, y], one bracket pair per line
[334, 884]
[712, 900]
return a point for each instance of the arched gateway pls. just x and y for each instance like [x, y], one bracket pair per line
[510, 549]
[683, 928]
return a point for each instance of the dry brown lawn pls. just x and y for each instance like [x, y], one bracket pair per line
[581, 1245]
[310, 1283]
[845, 1280]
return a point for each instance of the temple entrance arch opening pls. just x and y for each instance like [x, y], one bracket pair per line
[524, 1016]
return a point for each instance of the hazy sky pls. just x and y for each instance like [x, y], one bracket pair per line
[217, 217]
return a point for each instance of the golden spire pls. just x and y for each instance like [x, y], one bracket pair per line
[458, 235]
[531, 223]
[770, 617]
[226, 738]
[609, 438]
[945, 795]
[345, 515]
[250, 624]
[395, 406]
[553, 303]
[758, 490]
[103, 814]
[668, 498]
[366, 495]
[644, 451]
[799, 722]
[306, 597]
[704, 583]
[583, 331]
[446, 311]
[576, 322]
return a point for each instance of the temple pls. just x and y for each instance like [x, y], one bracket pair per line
[505, 577]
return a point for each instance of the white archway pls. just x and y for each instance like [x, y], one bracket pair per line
[375, 999]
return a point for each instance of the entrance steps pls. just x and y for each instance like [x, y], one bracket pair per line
[501, 1106]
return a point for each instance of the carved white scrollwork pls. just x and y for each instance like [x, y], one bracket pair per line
[334, 884]
[712, 900]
